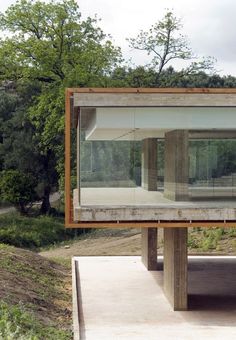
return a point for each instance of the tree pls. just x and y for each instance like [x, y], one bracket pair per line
[51, 43]
[8, 104]
[17, 188]
[20, 146]
[52, 47]
[165, 43]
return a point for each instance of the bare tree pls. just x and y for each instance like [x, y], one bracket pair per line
[165, 42]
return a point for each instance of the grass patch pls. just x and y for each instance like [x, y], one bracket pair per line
[212, 240]
[18, 324]
[43, 288]
[33, 232]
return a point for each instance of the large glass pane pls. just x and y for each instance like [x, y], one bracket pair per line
[212, 168]
[109, 165]
[129, 157]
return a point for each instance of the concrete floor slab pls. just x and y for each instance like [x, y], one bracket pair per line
[137, 204]
[119, 299]
[140, 196]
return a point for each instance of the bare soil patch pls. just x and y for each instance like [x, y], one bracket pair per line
[128, 242]
[39, 284]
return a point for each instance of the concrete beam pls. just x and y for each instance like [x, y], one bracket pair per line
[149, 164]
[176, 165]
[149, 248]
[154, 99]
[175, 267]
[212, 134]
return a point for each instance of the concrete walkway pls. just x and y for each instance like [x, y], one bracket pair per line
[119, 299]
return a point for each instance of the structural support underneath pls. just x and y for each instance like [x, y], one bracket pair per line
[149, 248]
[175, 267]
[176, 165]
[149, 164]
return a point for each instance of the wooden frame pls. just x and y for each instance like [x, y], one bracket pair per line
[69, 223]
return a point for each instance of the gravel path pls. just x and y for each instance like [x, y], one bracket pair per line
[6, 210]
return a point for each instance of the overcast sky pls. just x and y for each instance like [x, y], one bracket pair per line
[209, 25]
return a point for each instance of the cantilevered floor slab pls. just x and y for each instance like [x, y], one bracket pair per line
[129, 204]
[120, 300]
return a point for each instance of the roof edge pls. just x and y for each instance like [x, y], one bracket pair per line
[192, 90]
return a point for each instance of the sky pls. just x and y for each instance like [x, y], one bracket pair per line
[209, 25]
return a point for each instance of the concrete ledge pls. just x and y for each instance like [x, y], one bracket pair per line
[153, 213]
[137, 204]
[75, 299]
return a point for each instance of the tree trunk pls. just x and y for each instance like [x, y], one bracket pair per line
[21, 208]
[46, 206]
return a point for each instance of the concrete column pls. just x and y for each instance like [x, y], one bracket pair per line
[149, 164]
[175, 267]
[176, 165]
[149, 248]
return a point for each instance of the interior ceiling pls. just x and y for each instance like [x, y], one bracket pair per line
[141, 123]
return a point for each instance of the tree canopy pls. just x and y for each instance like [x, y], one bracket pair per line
[165, 43]
[49, 47]
[49, 42]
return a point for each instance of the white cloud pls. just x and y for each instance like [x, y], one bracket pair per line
[208, 25]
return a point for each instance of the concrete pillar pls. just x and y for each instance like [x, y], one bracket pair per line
[175, 267]
[176, 165]
[149, 164]
[149, 248]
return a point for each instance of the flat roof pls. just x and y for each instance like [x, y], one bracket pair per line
[150, 90]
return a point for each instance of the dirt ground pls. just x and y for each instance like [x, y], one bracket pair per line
[128, 242]
[101, 242]
[39, 284]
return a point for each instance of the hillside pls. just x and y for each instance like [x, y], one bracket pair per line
[128, 242]
[35, 295]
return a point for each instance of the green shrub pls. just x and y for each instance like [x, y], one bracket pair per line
[192, 242]
[17, 188]
[232, 232]
[33, 232]
[211, 237]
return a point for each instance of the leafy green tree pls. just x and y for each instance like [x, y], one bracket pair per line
[20, 148]
[51, 43]
[7, 106]
[51, 46]
[141, 76]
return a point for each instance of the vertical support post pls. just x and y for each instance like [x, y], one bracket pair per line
[175, 267]
[176, 165]
[78, 157]
[149, 248]
[68, 206]
[149, 164]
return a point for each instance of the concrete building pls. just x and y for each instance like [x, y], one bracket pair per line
[153, 158]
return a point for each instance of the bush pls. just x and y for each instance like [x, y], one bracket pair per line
[17, 188]
[33, 233]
